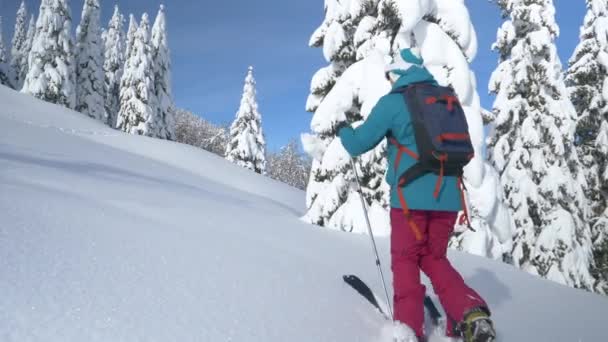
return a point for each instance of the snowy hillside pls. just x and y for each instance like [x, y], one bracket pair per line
[111, 237]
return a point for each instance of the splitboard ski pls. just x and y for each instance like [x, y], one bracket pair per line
[364, 290]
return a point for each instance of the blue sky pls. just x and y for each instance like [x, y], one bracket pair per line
[213, 43]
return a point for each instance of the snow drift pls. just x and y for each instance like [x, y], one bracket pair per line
[106, 236]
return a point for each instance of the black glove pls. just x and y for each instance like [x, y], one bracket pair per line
[340, 126]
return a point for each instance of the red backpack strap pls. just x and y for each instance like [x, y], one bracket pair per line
[408, 216]
[442, 159]
[406, 211]
[400, 151]
[464, 219]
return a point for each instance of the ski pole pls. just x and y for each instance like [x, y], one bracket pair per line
[373, 241]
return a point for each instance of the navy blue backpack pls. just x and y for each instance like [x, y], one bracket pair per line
[442, 137]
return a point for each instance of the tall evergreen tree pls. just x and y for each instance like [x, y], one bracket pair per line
[89, 67]
[162, 76]
[19, 52]
[600, 252]
[114, 61]
[4, 70]
[131, 33]
[247, 146]
[138, 101]
[29, 41]
[587, 80]
[51, 73]
[533, 147]
[329, 196]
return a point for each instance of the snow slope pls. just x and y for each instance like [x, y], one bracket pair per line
[110, 237]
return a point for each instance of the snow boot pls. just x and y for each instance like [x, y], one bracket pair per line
[477, 326]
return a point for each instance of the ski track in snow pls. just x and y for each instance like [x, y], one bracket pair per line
[110, 237]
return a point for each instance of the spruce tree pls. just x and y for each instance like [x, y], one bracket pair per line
[600, 252]
[4, 70]
[19, 52]
[51, 66]
[89, 67]
[162, 76]
[131, 33]
[29, 41]
[114, 61]
[533, 147]
[329, 197]
[137, 95]
[587, 81]
[247, 146]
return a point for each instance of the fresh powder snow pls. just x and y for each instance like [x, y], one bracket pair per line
[106, 236]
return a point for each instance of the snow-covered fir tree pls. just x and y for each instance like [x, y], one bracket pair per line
[247, 145]
[131, 33]
[19, 51]
[138, 101]
[29, 41]
[289, 166]
[375, 31]
[600, 252]
[114, 61]
[51, 74]
[162, 75]
[533, 147]
[5, 78]
[330, 199]
[587, 81]
[90, 90]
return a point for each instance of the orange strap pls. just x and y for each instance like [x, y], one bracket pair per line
[406, 211]
[402, 149]
[453, 136]
[451, 100]
[464, 219]
[408, 215]
[430, 100]
[442, 159]
[398, 160]
[439, 182]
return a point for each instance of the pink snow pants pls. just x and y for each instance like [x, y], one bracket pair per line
[409, 256]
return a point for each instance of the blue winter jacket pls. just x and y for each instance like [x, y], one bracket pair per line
[391, 117]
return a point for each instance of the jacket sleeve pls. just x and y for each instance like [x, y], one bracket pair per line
[368, 135]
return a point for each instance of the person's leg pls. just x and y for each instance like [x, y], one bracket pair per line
[455, 296]
[405, 256]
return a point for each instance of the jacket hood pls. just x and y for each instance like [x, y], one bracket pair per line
[415, 74]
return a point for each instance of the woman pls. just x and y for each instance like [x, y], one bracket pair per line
[420, 236]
